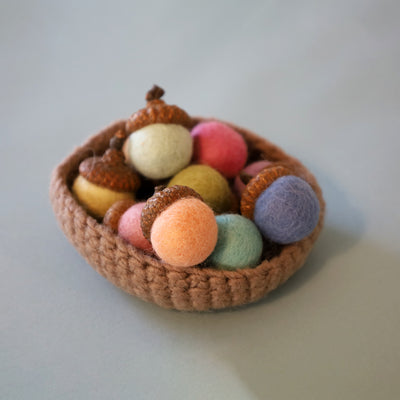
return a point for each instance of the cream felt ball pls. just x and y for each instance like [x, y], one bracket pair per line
[287, 211]
[208, 183]
[185, 233]
[96, 199]
[219, 146]
[239, 243]
[159, 151]
[129, 227]
[252, 170]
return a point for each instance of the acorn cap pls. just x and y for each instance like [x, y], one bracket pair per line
[110, 171]
[157, 111]
[257, 185]
[114, 213]
[160, 201]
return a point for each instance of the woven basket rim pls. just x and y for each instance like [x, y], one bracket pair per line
[61, 198]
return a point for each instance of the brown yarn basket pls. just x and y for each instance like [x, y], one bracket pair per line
[189, 289]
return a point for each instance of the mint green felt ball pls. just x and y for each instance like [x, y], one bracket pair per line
[159, 151]
[239, 243]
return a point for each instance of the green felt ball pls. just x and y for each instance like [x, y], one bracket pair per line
[159, 151]
[208, 183]
[239, 243]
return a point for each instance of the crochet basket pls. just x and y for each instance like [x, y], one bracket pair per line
[143, 275]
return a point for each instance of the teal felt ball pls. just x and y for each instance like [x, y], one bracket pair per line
[239, 243]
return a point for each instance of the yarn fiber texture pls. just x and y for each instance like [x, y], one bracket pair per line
[129, 227]
[97, 199]
[219, 146]
[159, 151]
[208, 183]
[146, 277]
[185, 233]
[239, 243]
[287, 211]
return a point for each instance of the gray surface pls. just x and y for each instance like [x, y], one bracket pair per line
[319, 79]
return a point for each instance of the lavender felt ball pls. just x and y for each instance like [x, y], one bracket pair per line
[287, 211]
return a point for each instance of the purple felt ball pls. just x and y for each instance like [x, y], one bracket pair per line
[287, 211]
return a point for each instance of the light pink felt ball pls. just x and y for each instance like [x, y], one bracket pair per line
[220, 147]
[129, 227]
[252, 169]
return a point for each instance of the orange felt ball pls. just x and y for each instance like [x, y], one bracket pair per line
[185, 234]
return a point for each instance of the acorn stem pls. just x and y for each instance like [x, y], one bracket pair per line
[159, 188]
[117, 141]
[154, 93]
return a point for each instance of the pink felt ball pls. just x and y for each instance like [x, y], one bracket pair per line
[129, 227]
[252, 169]
[220, 147]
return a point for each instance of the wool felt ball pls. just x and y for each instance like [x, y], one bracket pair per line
[97, 199]
[219, 146]
[208, 183]
[239, 243]
[159, 151]
[129, 227]
[185, 233]
[252, 170]
[287, 211]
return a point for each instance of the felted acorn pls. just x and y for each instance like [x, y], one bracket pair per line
[239, 243]
[124, 217]
[284, 207]
[159, 144]
[249, 171]
[209, 183]
[219, 146]
[104, 180]
[180, 226]
[130, 229]
[115, 212]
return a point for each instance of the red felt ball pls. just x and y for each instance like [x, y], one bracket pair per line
[220, 147]
[129, 227]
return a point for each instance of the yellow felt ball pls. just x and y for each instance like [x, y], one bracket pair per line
[96, 199]
[208, 183]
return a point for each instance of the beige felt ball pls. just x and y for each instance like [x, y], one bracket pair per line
[208, 183]
[96, 199]
[159, 151]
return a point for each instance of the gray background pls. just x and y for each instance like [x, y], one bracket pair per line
[320, 79]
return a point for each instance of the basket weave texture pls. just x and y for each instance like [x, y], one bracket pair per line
[142, 275]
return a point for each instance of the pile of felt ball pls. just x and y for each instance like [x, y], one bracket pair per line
[188, 194]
